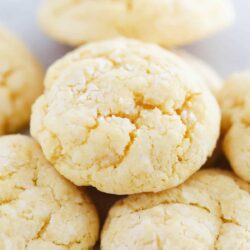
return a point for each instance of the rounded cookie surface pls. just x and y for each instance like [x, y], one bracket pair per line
[168, 23]
[211, 210]
[39, 209]
[208, 75]
[126, 117]
[235, 104]
[20, 83]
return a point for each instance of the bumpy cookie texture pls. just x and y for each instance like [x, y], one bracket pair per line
[210, 211]
[209, 77]
[125, 117]
[39, 209]
[235, 105]
[20, 83]
[169, 23]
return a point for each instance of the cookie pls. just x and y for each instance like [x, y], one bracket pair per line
[20, 82]
[125, 117]
[208, 75]
[235, 104]
[210, 211]
[169, 23]
[39, 209]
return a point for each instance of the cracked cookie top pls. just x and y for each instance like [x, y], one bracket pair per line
[235, 104]
[126, 117]
[211, 210]
[20, 83]
[39, 209]
[167, 22]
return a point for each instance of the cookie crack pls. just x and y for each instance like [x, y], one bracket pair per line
[218, 237]
[4, 76]
[7, 201]
[227, 221]
[245, 121]
[165, 202]
[11, 174]
[140, 105]
[159, 243]
[129, 5]
[42, 230]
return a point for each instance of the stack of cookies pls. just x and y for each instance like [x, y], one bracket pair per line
[128, 114]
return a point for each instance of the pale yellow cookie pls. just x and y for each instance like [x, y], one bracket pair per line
[208, 75]
[235, 105]
[210, 79]
[39, 209]
[167, 22]
[20, 83]
[125, 117]
[209, 211]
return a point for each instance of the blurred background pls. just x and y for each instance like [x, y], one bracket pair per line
[227, 51]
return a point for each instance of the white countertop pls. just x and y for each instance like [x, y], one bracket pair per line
[227, 51]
